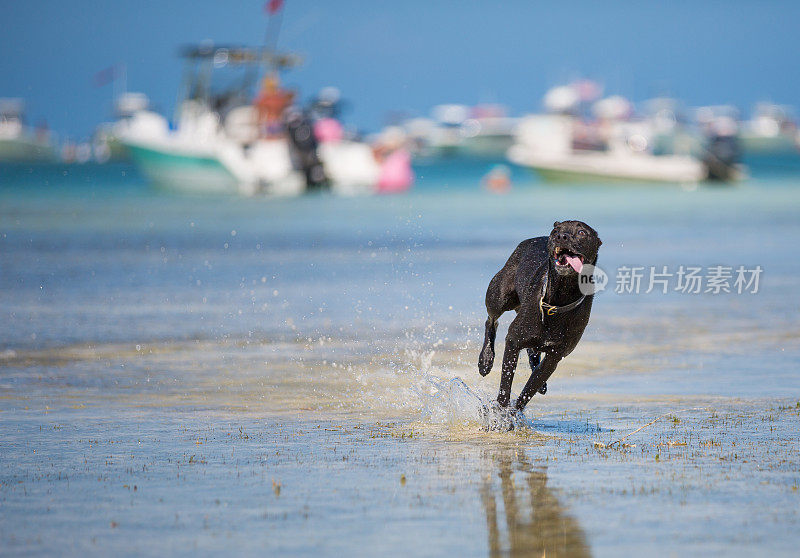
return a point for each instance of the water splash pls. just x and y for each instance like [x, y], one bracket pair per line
[451, 400]
[433, 394]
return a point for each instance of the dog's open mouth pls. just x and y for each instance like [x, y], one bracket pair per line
[564, 257]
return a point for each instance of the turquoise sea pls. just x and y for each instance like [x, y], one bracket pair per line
[298, 376]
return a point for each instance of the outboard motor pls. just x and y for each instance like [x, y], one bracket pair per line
[304, 148]
[723, 152]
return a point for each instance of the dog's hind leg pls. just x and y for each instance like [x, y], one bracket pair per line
[537, 380]
[486, 359]
[534, 359]
[500, 298]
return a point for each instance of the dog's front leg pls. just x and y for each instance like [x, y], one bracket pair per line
[510, 357]
[537, 379]
[486, 358]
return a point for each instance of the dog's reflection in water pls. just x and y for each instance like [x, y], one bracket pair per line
[536, 524]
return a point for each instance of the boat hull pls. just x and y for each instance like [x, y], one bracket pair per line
[24, 151]
[185, 172]
[613, 168]
[265, 168]
[567, 176]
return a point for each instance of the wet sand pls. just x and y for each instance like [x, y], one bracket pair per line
[264, 462]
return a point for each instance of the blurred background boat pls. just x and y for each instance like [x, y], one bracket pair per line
[482, 131]
[582, 137]
[771, 130]
[672, 127]
[546, 143]
[224, 141]
[18, 142]
[106, 145]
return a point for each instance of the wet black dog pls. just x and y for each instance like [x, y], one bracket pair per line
[540, 282]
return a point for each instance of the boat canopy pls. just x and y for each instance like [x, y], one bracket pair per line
[12, 107]
[222, 77]
[222, 55]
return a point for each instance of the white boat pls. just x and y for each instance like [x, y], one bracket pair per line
[672, 128]
[545, 144]
[106, 146]
[18, 143]
[771, 131]
[483, 131]
[216, 146]
[560, 145]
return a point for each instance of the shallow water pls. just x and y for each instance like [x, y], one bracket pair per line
[198, 374]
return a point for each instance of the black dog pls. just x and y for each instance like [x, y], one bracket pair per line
[540, 282]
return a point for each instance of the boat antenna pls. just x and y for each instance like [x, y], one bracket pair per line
[275, 13]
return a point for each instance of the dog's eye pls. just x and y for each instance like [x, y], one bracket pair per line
[581, 232]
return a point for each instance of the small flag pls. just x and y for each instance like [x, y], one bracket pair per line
[105, 76]
[273, 6]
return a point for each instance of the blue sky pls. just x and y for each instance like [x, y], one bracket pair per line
[407, 55]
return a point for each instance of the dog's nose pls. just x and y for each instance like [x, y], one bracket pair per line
[563, 236]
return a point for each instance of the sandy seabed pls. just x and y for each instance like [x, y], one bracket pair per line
[379, 457]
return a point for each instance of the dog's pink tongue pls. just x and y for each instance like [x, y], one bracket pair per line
[575, 262]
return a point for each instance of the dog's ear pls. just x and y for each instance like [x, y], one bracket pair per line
[599, 242]
[557, 223]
